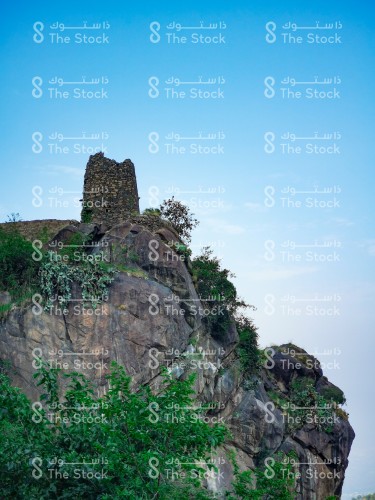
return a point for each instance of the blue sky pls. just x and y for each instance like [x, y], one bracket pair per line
[249, 201]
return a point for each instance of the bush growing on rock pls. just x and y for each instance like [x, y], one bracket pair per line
[274, 481]
[333, 393]
[216, 291]
[18, 269]
[247, 348]
[179, 216]
[151, 211]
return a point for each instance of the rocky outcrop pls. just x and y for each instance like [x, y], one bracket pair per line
[153, 317]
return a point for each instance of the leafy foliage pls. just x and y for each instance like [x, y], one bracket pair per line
[151, 211]
[125, 444]
[18, 269]
[86, 215]
[247, 347]
[179, 216]
[57, 277]
[53, 276]
[180, 249]
[308, 406]
[333, 393]
[274, 481]
[122, 254]
[122, 445]
[71, 263]
[217, 292]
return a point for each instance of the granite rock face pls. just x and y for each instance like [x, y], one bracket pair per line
[152, 317]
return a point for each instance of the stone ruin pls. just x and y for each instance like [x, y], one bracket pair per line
[110, 193]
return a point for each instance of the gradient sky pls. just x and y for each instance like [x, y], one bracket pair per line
[243, 186]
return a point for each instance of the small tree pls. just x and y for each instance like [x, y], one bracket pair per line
[14, 217]
[179, 216]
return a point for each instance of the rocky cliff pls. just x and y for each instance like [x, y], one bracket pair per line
[153, 317]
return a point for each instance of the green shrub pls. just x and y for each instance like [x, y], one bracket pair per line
[333, 393]
[122, 254]
[57, 278]
[44, 235]
[217, 293]
[181, 249]
[73, 246]
[342, 414]
[151, 211]
[86, 215]
[308, 406]
[18, 269]
[275, 480]
[247, 348]
[179, 216]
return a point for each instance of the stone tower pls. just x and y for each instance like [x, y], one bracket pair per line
[110, 191]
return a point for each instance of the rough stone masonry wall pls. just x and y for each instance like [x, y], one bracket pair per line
[44, 229]
[110, 191]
